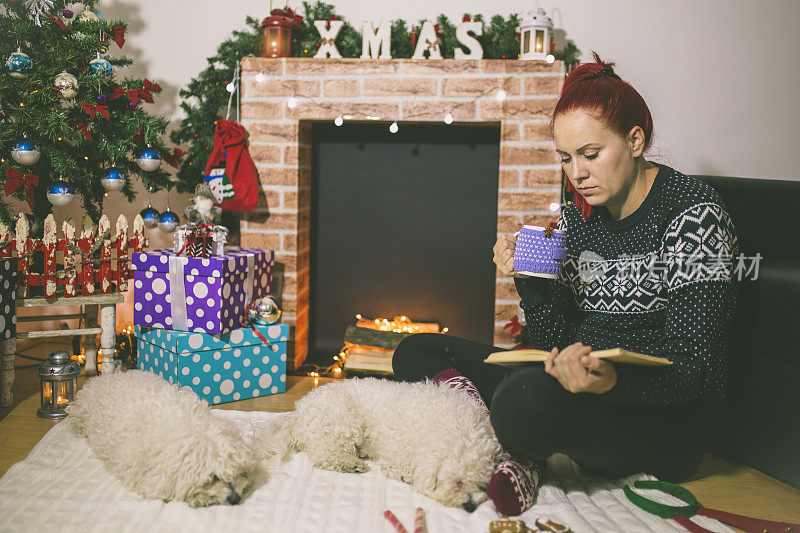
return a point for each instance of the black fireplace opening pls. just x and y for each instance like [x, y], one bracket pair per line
[402, 224]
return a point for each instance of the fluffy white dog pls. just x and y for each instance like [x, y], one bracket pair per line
[436, 438]
[161, 441]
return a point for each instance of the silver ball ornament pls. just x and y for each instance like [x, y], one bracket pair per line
[168, 221]
[87, 16]
[102, 67]
[25, 152]
[113, 179]
[19, 64]
[68, 85]
[266, 309]
[148, 159]
[150, 216]
[60, 193]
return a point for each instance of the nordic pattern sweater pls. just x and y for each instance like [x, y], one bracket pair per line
[657, 282]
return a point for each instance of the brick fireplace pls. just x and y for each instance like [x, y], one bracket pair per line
[280, 144]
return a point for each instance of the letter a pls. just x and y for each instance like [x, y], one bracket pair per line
[427, 41]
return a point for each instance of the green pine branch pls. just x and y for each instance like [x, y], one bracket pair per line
[31, 108]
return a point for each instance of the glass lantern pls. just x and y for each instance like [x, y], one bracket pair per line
[535, 33]
[278, 32]
[59, 379]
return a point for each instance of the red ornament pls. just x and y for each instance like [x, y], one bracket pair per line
[466, 18]
[278, 32]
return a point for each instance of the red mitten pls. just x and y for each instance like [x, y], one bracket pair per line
[230, 172]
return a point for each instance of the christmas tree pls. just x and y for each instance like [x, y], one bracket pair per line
[68, 123]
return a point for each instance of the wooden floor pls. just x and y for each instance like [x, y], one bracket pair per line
[718, 484]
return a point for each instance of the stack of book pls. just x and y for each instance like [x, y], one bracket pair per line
[370, 344]
[366, 360]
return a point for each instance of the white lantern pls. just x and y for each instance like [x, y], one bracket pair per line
[535, 30]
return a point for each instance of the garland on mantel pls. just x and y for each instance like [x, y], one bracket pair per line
[204, 99]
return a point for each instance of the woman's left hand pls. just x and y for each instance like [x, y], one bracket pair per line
[577, 371]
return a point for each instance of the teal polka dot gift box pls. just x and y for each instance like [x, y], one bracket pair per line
[219, 368]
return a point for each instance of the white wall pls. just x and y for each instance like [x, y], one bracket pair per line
[720, 76]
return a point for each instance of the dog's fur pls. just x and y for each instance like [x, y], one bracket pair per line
[437, 438]
[162, 442]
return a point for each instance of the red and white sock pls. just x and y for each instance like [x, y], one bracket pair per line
[453, 378]
[513, 486]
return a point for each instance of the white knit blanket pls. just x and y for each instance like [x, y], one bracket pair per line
[62, 486]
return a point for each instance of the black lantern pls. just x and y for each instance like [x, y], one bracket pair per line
[59, 379]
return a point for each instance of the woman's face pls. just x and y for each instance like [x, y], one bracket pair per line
[600, 163]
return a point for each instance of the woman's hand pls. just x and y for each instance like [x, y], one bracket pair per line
[504, 255]
[577, 371]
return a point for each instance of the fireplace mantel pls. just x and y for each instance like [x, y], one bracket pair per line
[392, 89]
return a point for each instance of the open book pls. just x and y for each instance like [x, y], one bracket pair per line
[615, 355]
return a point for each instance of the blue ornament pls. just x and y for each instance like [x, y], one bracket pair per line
[25, 152]
[148, 159]
[168, 221]
[113, 179]
[149, 216]
[60, 193]
[19, 64]
[102, 67]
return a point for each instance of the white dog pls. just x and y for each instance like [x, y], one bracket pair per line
[161, 441]
[436, 438]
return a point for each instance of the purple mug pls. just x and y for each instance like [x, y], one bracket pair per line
[540, 251]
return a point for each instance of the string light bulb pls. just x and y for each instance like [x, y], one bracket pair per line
[550, 58]
[339, 120]
[448, 119]
[394, 127]
[501, 94]
[554, 206]
[292, 103]
[230, 87]
[260, 77]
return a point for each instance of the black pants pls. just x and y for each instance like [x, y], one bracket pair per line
[534, 416]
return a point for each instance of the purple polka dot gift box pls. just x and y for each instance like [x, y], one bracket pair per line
[219, 368]
[203, 294]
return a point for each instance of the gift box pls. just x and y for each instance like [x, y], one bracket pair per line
[218, 368]
[8, 307]
[202, 294]
[204, 240]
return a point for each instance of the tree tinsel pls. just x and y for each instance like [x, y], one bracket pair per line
[31, 107]
[206, 97]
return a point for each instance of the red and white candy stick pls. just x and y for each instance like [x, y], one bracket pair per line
[419, 522]
[394, 521]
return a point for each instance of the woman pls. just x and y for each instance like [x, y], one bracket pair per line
[658, 283]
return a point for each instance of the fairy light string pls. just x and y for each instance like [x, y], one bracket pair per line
[447, 112]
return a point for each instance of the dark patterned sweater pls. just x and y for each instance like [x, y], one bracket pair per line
[656, 282]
